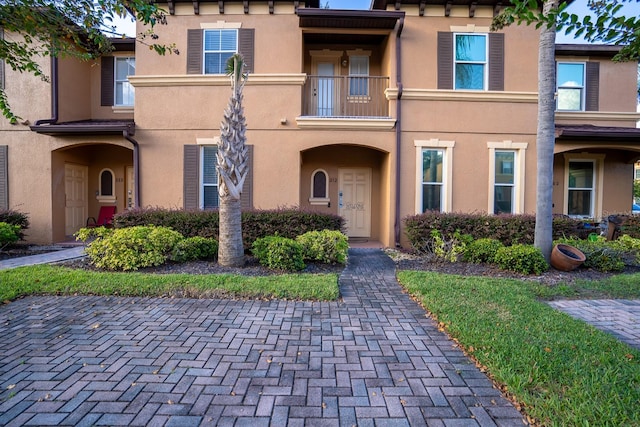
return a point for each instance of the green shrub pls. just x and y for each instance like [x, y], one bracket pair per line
[15, 218]
[482, 250]
[133, 247]
[602, 255]
[524, 259]
[86, 234]
[327, 246]
[279, 253]
[450, 249]
[9, 234]
[508, 229]
[255, 223]
[195, 248]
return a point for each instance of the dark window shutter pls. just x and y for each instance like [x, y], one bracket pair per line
[445, 60]
[4, 177]
[496, 61]
[191, 177]
[246, 42]
[194, 51]
[246, 198]
[592, 95]
[106, 79]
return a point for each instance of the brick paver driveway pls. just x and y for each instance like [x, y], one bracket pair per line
[373, 358]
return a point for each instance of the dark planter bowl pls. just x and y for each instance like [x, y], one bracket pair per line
[566, 258]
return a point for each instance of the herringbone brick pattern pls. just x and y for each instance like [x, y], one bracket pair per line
[373, 358]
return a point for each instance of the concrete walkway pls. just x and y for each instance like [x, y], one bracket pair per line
[372, 359]
[620, 318]
[46, 258]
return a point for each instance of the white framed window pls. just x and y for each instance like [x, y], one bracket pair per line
[506, 176]
[470, 61]
[583, 174]
[358, 75]
[571, 86]
[434, 160]
[125, 66]
[219, 46]
[106, 186]
[209, 177]
[319, 187]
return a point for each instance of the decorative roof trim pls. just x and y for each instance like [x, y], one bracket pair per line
[88, 127]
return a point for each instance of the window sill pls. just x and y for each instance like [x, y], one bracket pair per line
[106, 199]
[122, 109]
[318, 201]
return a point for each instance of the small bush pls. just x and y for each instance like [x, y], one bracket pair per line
[133, 247]
[15, 218]
[602, 255]
[279, 253]
[9, 234]
[195, 248]
[482, 250]
[524, 259]
[449, 249]
[327, 246]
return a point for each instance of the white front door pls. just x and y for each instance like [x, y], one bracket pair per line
[354, 200]
[131, 188]
[326, 88]
[76, 203]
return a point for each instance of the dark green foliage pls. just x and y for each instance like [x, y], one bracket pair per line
[508, 229]
[255, 224]
[195, 248]
[482, 250]
[8, 234]
[279, 253]
[631, 226]
[15, 218]
[601, 255]
[524, 259]
[327, 246]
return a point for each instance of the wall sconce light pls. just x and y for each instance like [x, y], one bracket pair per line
[344, 62]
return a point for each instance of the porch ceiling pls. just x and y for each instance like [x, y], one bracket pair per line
[87, 127]
[599, 133]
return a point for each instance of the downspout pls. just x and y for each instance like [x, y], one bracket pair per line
[396, 224]
[136, 167]
[54, 95]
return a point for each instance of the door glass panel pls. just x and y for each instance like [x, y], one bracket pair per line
[325, 89]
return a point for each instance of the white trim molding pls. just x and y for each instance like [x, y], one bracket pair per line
[520, 148]
[216, 80]
[447, 173]
[463, 95]
[220, 25]
[597, 115]
[308, 122]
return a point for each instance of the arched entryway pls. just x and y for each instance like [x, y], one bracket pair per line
[351, 181]
[85, 177]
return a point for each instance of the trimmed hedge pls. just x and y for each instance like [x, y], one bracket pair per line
[279, 253]
[506, 228]
[256, 224]
[15, 218]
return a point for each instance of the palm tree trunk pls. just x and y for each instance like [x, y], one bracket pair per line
[230, 249]
[545, 135]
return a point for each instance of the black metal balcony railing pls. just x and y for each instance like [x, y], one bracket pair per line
[345, 96]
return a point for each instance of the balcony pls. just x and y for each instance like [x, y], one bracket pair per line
[345, 97]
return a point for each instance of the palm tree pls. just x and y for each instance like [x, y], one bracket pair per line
[232, 168]
[545, 138]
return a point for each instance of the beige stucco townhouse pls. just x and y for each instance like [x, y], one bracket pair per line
[374, 115]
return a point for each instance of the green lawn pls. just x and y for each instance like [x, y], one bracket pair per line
[56, 280]
[563, 371]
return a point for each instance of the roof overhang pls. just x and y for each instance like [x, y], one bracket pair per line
[123, 44]
[87, 127]
[601, 50]
[598, 133]
[221, 3]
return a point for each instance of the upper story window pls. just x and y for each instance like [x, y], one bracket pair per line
[358, 75]
[571, 86]
[124, 91]
[470, 59]
[219, 46]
